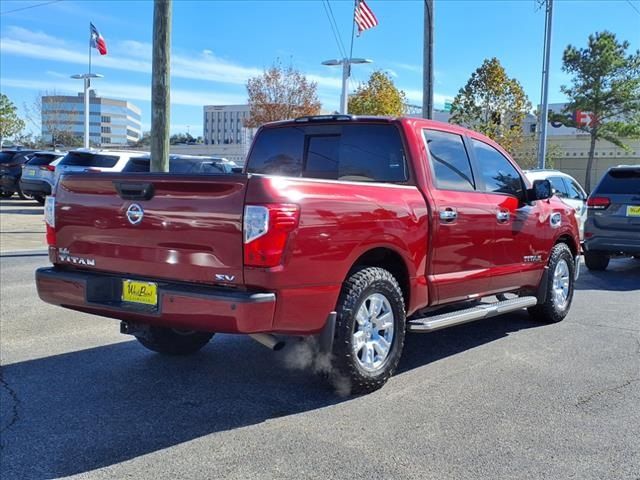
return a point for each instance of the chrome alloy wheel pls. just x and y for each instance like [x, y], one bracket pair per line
[561, 281]
[373, 332]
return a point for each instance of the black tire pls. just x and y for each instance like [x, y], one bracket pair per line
[551, 311]
[347, 367]
[39, 199]
[596, 261]
[6, 194]
[173, 342]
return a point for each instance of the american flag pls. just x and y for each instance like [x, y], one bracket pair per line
[364, 17]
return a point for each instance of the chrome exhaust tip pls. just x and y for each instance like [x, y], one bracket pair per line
[268, 340]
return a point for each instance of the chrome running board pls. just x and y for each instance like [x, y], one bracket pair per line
[480, 312]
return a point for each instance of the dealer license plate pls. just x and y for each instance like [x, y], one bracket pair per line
[139, 292]
[633, 211]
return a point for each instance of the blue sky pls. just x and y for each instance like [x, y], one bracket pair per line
[217, 45]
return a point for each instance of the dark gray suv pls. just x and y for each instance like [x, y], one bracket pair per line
[613, 220]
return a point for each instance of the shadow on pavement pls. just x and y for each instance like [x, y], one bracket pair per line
[622, 275]
[88, 409]
[21, 211]
[18, 203]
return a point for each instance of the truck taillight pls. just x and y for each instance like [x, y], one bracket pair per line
[598, 203]
[266, 229]
[50, 219]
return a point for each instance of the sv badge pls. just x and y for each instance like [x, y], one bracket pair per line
[221, 277]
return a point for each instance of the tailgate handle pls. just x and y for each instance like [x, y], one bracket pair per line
[134, 191]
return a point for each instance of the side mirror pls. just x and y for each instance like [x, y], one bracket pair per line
[541, 190]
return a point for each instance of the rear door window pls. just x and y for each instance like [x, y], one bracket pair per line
[575, 191]
[449, 161]
[558, 185]
[85, 159]
[498, 174]
[625, 181]
[356, 152]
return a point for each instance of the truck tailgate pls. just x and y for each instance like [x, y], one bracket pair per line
[190, 230]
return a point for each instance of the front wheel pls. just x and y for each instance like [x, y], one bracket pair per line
[6, 194]
[370, 330]
[170, 341]
[560, 285]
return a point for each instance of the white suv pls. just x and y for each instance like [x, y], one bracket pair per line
[566, 188]
[90, 160]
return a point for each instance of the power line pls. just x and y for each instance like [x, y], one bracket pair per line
[334, 28]
[30, 6]
[633, 6]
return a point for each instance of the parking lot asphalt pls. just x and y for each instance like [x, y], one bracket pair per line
[502, 398]
[21, 225]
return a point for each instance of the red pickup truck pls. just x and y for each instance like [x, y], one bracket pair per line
[351, 229]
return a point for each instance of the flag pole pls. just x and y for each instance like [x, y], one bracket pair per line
[86, 97]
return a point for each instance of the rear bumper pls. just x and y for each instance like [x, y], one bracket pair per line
[206, 309]
[35, 187]
[613, 244]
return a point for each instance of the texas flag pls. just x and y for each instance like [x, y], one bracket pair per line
[97, 41]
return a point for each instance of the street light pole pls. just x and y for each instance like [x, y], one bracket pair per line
[346, 73]
[86, 77]
[542, 146]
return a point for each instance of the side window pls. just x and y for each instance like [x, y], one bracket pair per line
[559, 187]
[499, 175]
[575, 190]
[449, 161]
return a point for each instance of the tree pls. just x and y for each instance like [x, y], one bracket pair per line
[10, 123]
[144, 140]
[279, 94]
[379, 96]
[493, 104]
[605, 91]
[526, 154]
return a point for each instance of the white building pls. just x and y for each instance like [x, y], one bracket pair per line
[111, 122]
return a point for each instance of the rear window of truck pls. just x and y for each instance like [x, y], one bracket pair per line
[357, 152]
[85, 159]
[620, 181]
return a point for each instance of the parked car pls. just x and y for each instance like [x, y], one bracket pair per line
[11, 161]
[567, 189]
[38, 174]
[352, 230]
[613, 221]
[90, 160]
[196, 164]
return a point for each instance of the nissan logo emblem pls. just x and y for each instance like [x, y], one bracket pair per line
[135, 214]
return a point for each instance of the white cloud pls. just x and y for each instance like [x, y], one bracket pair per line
[22, 34]
[135, 56]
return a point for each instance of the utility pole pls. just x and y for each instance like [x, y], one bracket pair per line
[544, 113]
[427, 66]
[160, 86]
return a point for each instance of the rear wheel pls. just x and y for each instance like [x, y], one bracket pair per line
[6, 194]
[370, 330]
[39, 199]
[559, 286]
[170, 341]
[24, 196]
[596, 261]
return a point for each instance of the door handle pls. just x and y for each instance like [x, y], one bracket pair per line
[448, 214]
[502, 216]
